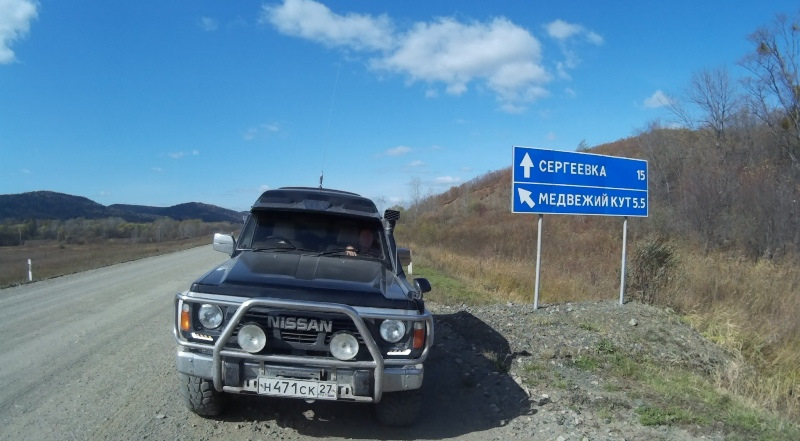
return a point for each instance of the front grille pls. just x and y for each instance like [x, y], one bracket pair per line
[344, 325]
[288, 341]
[302, 337]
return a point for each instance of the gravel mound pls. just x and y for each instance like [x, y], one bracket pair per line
[542, 350]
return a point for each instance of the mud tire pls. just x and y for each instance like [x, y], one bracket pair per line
[200, 397]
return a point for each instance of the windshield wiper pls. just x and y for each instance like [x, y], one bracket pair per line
[289, 248]
[285, 248]
[332, 252]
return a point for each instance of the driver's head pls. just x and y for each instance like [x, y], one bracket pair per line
[365, 238]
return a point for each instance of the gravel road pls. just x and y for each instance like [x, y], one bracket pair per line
[91, 356]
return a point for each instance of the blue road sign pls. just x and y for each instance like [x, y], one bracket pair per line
[559, 182]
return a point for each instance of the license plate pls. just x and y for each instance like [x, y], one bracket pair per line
[287, 387]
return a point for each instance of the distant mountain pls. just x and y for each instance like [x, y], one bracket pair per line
[53, 205]
[189, 210]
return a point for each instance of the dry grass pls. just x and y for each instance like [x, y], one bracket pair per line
[52, 259]
[750, 308]
[579, 262]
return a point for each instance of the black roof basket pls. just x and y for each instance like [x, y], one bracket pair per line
[316, 199]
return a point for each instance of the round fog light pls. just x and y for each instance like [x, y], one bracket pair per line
[251, 338]
[393, 330]
[344, 345]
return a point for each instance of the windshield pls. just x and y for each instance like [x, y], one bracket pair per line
[317, 233]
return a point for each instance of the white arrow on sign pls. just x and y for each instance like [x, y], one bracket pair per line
[527, 164]
[525, 197]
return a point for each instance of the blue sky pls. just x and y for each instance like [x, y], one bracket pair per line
[165, 102]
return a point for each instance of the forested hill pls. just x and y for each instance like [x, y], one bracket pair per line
[42, 205]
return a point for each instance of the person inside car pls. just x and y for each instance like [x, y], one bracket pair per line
[366, 245]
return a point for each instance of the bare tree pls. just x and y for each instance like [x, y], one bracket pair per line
[709, 102]
[714, 93]
[382, 203]
[415, 188]
[775, 87]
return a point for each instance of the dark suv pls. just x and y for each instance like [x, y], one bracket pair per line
[313, 304]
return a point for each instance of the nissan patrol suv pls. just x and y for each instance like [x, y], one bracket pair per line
[313, 304]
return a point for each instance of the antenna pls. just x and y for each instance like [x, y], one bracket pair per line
[328, 129]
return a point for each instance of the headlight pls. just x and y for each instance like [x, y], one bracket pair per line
[210, 316]
[344, 345]
[393, 330]
[251, 338]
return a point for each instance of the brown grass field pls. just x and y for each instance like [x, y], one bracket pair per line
[52, 259]
[748, 307]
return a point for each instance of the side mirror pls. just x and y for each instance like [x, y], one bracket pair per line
[404, 258]
[224, 243]
[422, 285]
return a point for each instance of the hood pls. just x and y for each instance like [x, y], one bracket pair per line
[292, 276]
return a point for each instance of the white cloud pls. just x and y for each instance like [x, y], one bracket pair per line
[25, 171]
[569, 35]
[397, 151]
[657, 100]
[594, 38]
[315, 21]
[563, 31]
[500, 55]
[262, 129]
[497, 55]
[179, 155]
[157, 169]
[416, 163]
[446, 180]
[208, 24]
[15, 18]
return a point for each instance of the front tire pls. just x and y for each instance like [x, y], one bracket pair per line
[399, 409]
[199, 395]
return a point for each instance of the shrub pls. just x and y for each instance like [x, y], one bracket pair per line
[651, 267]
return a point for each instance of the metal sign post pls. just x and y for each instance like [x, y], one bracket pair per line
[538, 263]
[559, 182]
[624, 258]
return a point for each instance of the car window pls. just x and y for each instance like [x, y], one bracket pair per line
[314, 232]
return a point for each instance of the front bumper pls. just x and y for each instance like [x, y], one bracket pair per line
[237, 371]
[239, 376]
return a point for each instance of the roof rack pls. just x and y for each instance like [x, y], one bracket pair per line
[319, 189]
[316, 199]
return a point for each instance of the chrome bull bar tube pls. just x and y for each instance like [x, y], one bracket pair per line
[377, 363]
